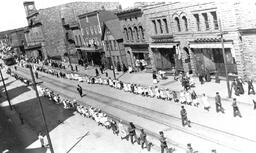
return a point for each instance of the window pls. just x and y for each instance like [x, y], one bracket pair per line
[177, 23]
[206, 22]
[137, 33]
[99, 29]
[95, 29]
[80, 39]
[126, 34]
[91, 29]
[131, 33]
[185, 22]
[197, 22]
[87, 31]
[166, 26]
[87, 20]
[160, 25]
[142, 32]
[215, 20]
[76, 42]
[154, 24]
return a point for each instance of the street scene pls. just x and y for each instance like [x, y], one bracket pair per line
[128, 77]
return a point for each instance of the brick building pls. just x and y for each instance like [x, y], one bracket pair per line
[133, 29]
[186, 36]
[51, 31]
[91, 26]
[112, 38]
[13, 41]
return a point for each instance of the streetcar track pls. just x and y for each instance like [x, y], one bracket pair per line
[110, 101]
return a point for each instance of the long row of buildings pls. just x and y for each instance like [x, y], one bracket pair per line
[166, 36]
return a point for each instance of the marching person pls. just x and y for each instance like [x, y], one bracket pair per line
[96, 72]
[163, 143]
[154, 78]
[184, 117]
[250, 87]
[80, 90]
[235, 108]
[143, 139]
[206, 102]
[219, 107]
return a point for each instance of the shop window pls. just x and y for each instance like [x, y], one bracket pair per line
[177, 22]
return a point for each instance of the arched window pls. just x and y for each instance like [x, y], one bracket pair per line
[142, 32]
[126, 34]
[185, 23]
[131, 33]
[136, 33]
[177, 21]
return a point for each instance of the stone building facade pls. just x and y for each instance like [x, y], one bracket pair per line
[193, 39]
[53, 24]
[112, 38]
[133, 29]
[91, 26]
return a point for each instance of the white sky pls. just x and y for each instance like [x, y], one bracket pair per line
[12, 12]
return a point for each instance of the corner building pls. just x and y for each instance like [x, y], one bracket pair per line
[187, 36]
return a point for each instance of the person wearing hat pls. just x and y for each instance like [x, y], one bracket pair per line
[143, 139]
[163, 143]
[189, 148]
[80, 90]
[184, 118]
[236, 111]
[219, 107]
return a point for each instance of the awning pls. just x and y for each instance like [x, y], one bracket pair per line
[88, 49]
[211, 45]
[161, 45]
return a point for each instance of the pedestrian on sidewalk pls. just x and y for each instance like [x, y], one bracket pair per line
[219, 107]
[21, 119]
[96, 72]
[36, 74]
[41, 139]
[163, 143]
[132, 133]
[80, 90]
[206, 103]
[250, 87]
[240, 85]
[236, 111]
[15, 67]
[184, 117]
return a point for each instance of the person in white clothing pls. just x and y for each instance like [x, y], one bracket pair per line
[206, 102]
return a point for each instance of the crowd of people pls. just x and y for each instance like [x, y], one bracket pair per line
[187, 96]
[118, 127]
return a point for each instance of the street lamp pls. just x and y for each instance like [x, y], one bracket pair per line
[42, 110]
[7, 95]
[225, 59]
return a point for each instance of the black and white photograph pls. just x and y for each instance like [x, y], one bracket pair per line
[127, 76]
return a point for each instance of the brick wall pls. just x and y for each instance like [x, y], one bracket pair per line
[52, 28]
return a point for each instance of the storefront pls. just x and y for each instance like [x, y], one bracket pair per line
[209, 56]
[165, 56]
[91, 56]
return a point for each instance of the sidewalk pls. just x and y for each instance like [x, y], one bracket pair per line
[144, 78]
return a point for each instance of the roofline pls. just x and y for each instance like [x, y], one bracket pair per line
[89, 13]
